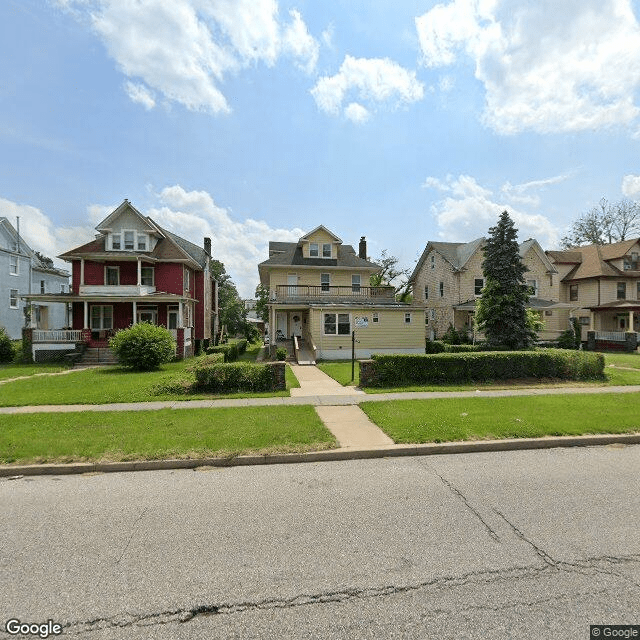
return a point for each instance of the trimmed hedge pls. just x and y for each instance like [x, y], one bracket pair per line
[463, 348]
[230, 351]
[238, 376]
[241, 346]
[434, 346]
[206, 360]
[404, 370]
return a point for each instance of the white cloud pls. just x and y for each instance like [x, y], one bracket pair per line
[140, 94]
[520, 192]
[184, 48]
[373, 80]
[546, 66]
[356, 113]
[468, 210]
[631, 186]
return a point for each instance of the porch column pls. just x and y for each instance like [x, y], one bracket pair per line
[81, 271]
[630, 321]
[86, 315]
[592, 321]
[139, 272]
[272, 325]
[135, 312]
[180, 314]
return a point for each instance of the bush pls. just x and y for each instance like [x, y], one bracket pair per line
[230, 351]
[463, 348]
[206, 360]
[434, 346]
[143, 346]
[567, 340]
[403, 370]
[241, 346]
[238, 376]
[281, 354]
[6, 347]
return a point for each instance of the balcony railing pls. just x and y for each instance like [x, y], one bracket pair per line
[611, 336]
[305, 292]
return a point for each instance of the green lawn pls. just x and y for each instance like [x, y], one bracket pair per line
[340, 370]
[110, 384]
[151, 435]
[443, 420]
[623, 360]
[251, 353]
[17, 370]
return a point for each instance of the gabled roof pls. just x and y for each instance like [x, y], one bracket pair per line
[284, 254]
[533, 245]
[107, 223]
[592, 261]
[457, 254]
[320, 228]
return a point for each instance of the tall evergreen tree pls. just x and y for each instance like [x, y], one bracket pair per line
[502, 313]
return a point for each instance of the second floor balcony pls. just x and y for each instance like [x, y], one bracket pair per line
[317, 293]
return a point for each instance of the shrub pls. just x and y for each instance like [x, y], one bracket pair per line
[6, 347]
[281, 354]
[434, 346]
[567, 340]
[463, 348]
[143, 346]
[238, 376]
[451, 336]
[241, 346]
[399, 370]
[206, 360]
[229, 350]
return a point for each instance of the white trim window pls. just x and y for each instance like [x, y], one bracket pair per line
[129, 240]
[325, 282]
[147, 276]
[407, 317]
[13, 265]
[337, 324]
[187, 279]
[13, 298]
[355, 282]
[314, 250]
[116, 242]
[533, 288]
[111, 276]
[101, 317]
[142, 241]
[326, 250]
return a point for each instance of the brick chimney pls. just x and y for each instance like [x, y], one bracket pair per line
[207, 246]
[362, 248]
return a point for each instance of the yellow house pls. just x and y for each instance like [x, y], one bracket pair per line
[448, 280]
[319, 295]
[602, 285]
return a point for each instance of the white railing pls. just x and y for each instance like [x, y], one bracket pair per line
[58, 335]
[611, 336]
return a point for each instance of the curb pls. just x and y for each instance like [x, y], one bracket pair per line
[329, 455]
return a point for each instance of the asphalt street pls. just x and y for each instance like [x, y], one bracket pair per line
[521, 544]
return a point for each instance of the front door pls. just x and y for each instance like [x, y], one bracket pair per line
[296, 325]
[281, 325]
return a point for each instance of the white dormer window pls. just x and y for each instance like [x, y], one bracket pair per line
[129, 240]
[313, 250]
[326, 250]
[143, 241]
[115, 241]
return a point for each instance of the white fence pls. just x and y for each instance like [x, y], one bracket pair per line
[611, 336]
[58, 335]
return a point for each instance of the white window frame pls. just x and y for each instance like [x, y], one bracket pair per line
[325, 287]
[119, 237]
[314, 250]
[475, 286]
[336, 323]
[107, 268]
[139, 237]
[375, 318]
[43, 286]
[407, 317]
[533, 286]
[126, 232]
[619, 286]
[14, 267]
[101, 316]
[187, 279]
[153, 312]
[153, 276]
[324, 250]
[14, 298]
[356, 282]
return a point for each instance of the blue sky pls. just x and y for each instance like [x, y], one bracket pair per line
[257, 120]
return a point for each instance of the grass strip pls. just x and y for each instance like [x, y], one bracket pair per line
[340, 370]
[153, 435]
[444, 420]
[8, 371]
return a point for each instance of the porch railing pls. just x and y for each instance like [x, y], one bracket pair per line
[57, 335]
[320, 292]
[611, 336]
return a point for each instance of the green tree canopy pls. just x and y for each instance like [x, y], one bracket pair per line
[502, 309]
[232, 313]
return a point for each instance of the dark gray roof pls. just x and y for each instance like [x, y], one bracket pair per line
[193, 250]
[287, 254]
[455, 253]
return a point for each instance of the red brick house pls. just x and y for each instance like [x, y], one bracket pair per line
[136, 271]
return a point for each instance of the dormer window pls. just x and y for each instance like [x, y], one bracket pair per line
[115, 241]
[313, 250]
[326, 250]
[129, 237]
[143, 241]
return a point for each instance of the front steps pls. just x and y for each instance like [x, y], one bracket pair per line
[95, 356]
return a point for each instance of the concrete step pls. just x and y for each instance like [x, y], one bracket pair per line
[94, 356]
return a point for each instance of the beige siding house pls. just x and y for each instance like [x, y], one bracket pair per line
[448, 280]
[602, 285]
[319, 293]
